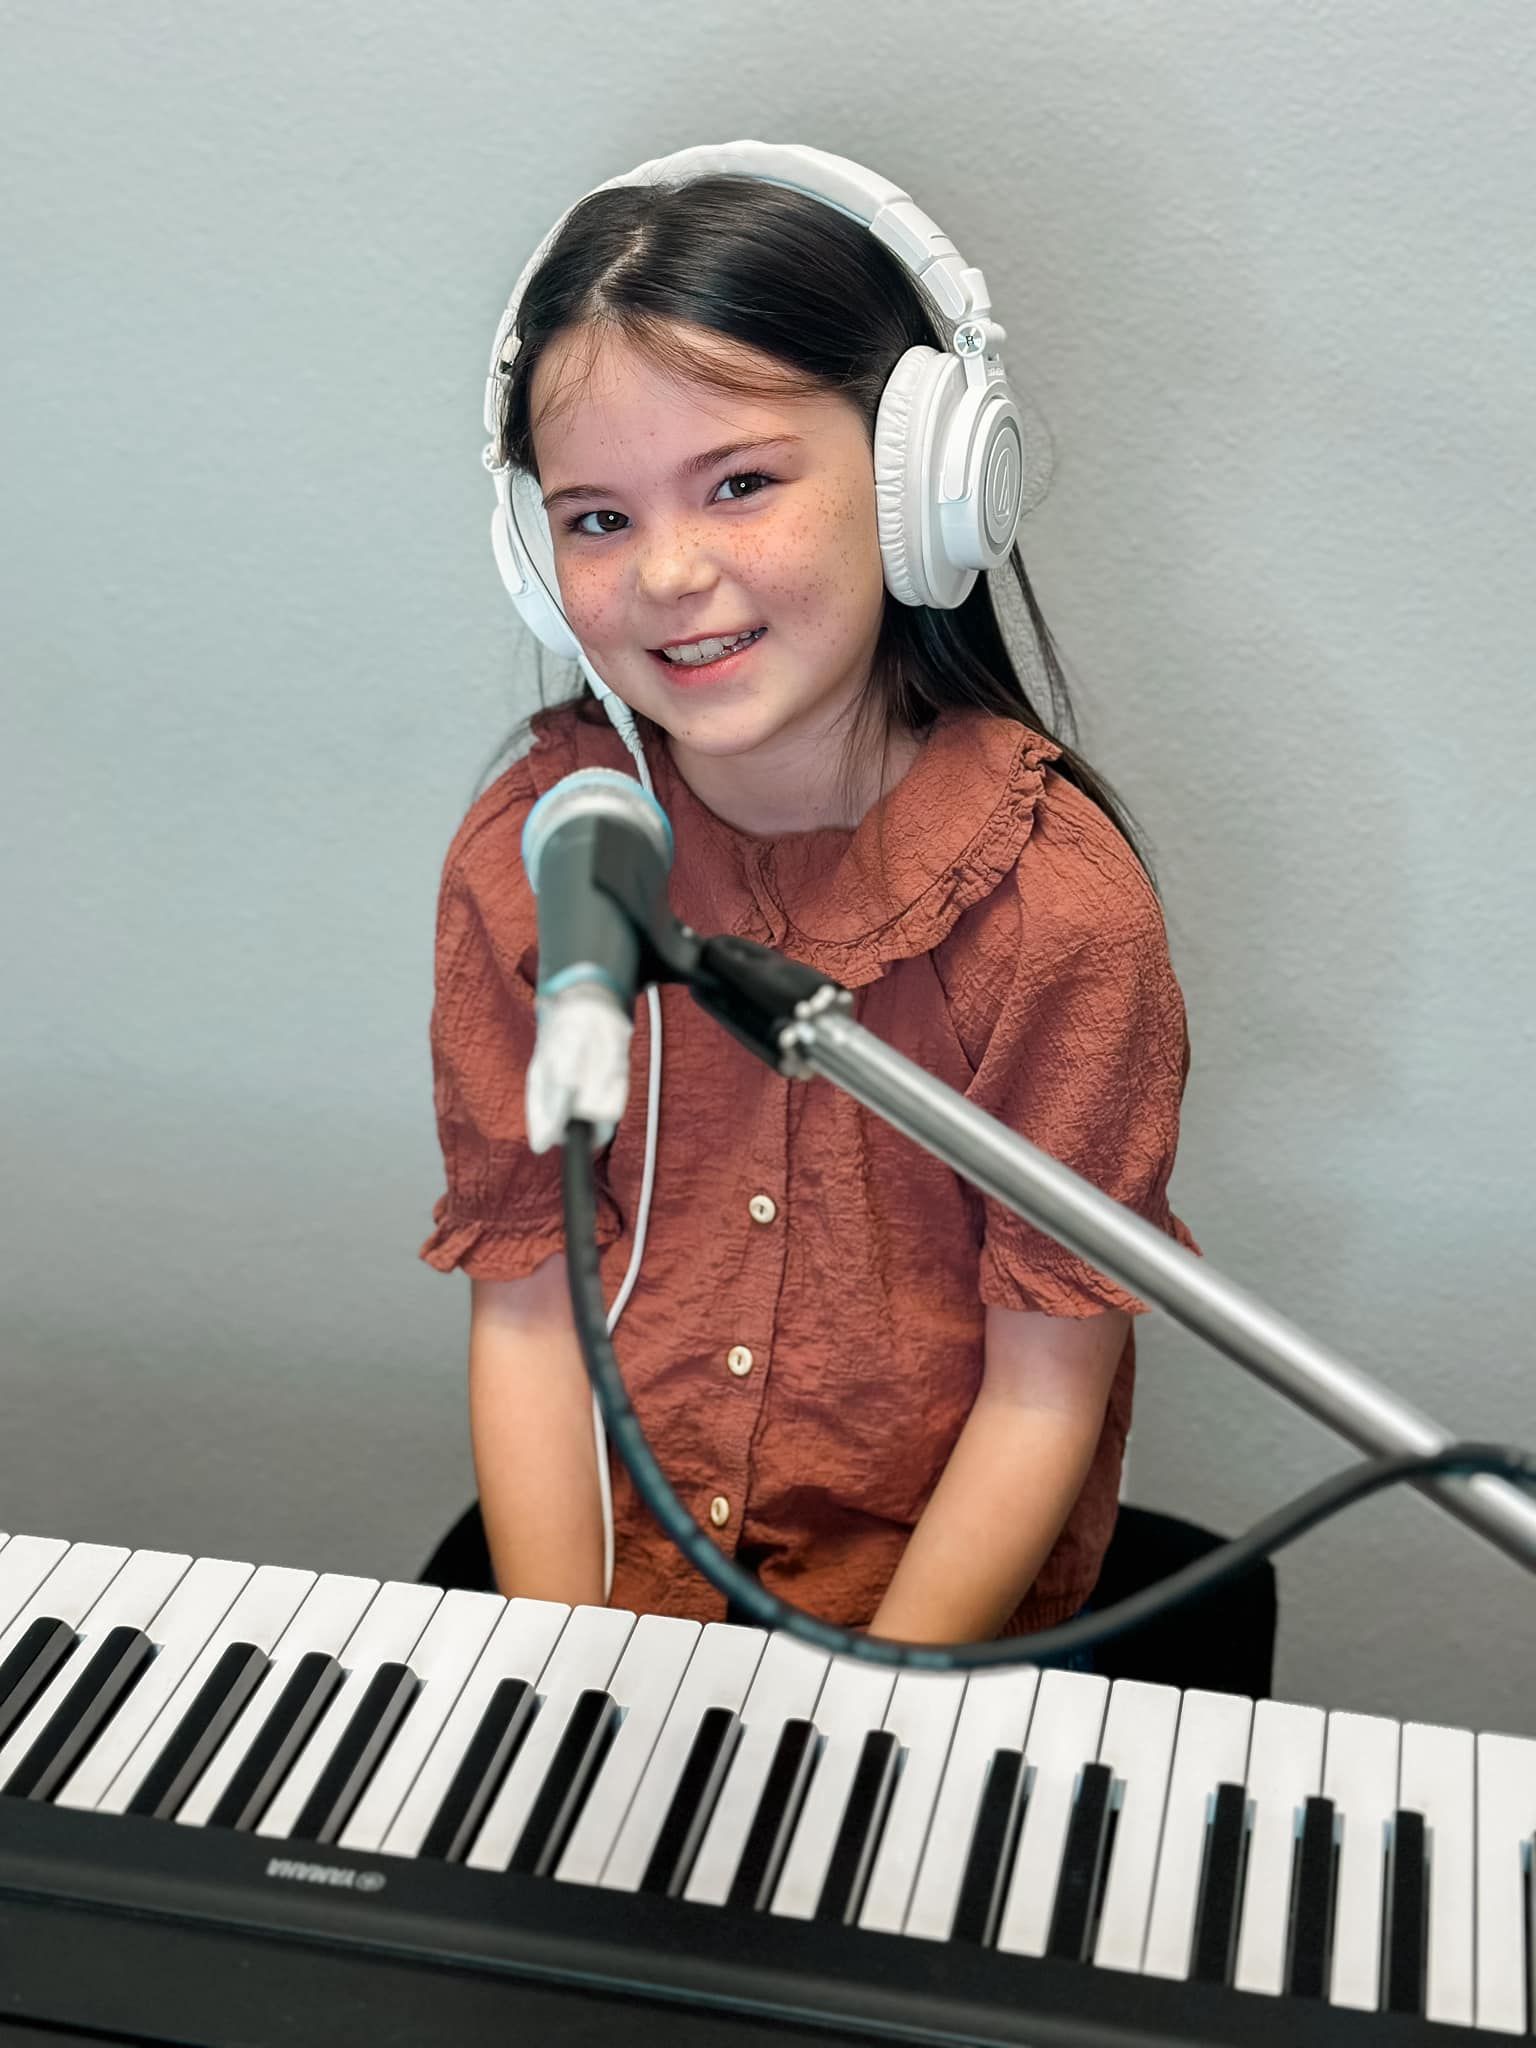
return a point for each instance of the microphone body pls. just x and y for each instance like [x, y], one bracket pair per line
[589, 949]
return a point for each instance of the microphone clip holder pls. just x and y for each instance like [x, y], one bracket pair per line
[762, 998]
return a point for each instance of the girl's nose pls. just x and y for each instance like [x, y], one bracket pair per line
[670, 569]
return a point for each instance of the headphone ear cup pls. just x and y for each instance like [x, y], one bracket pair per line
[525, 559]
[919, 399]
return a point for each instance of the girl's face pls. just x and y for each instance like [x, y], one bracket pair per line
[782, 536]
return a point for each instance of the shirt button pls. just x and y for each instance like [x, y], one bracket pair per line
[739, 1359]
[762, 1208]
[719, 1511]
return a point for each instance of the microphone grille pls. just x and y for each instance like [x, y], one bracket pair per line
[594, 793]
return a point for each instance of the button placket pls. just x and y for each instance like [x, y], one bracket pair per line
[764, 1277]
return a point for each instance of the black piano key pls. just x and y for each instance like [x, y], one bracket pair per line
[692, 1802]
[1309, 1960]
[858, 1838]
[202, 1728]
[283, 1734]
[777, 1816]
[994, 1840]
[507, 1718]
[123, 1657]
[1084, 1867]
[1405, 1929]
[572, 1770]
[1221, 1887]
[44, 1645]
[368, 1734]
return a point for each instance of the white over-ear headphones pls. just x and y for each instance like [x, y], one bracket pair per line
[955, 470]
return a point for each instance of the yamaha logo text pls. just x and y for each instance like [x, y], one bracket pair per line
[326, 1873]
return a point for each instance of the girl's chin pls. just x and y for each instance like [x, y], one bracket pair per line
[711, 731]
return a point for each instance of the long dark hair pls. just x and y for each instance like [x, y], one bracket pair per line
[782, 273]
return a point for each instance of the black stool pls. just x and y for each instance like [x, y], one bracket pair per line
[1224, 1643]
[462, 1561]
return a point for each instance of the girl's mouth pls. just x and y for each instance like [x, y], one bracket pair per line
[687, 673]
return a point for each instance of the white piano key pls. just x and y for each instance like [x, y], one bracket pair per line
[1360, 1777]
[784, 1688]
[1506, 1821]
[1437, 1773]
[135, 1595]
[387, 1634]
[718, 1675]
[643, 1685]
[924, 1707]
[448, 1651]
[525, 1642]
[853, 1699]
[1210, 1749]
[994, 1714]
[261, 1611]
[79, 1575]
[1063, 1736]
[1137, 1746]
[1285, 1769]
[131, 1599]
[332, 1609]
[179, 1630]
[24, 1564]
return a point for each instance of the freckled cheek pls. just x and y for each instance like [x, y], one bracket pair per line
[830, 563]
[591, 600]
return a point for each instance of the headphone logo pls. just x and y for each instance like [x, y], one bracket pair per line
[1004, 480]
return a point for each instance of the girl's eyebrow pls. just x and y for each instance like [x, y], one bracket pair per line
[694, 466]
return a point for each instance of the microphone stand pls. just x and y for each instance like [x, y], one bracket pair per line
[801, 1025]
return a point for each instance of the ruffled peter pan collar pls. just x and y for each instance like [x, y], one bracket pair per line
[952, 828]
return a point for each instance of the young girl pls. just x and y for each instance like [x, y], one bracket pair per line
[895, 1400]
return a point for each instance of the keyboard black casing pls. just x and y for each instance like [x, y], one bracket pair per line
[138, 1931]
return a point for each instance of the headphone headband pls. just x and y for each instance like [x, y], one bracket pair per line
[958, 290]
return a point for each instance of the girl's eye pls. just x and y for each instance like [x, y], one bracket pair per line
[574, 525]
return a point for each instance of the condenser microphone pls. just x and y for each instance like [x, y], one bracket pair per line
[595, 822]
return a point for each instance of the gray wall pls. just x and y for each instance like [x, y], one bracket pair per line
[1266, 268]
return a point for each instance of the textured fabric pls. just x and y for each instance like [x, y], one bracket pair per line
[997, 930]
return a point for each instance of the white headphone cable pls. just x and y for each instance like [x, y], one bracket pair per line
[647, 1179]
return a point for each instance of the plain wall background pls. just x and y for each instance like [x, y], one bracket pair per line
[1267, 270]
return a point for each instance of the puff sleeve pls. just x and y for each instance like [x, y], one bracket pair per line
[501, 1215]
[1087, 1060]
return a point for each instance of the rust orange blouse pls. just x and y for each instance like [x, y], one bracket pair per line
[805, 1338]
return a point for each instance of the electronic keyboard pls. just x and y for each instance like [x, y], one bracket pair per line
[244, 1806]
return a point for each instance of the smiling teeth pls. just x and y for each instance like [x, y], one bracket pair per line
[708, 650]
